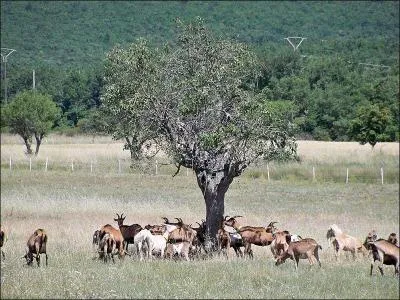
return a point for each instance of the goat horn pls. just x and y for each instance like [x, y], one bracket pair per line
[237, 217]
[165, 219]
[117, 215]
[272, 223]
[226, 217]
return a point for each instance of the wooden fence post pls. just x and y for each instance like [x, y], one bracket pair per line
[313, 173]
[382, 175]
[72, 165]
[347, 175]
[156, 167]
[91, 166]
[47, 162]
[268, 172]
[10, 163]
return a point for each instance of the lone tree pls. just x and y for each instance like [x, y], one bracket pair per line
[31, 114]
[205, 112]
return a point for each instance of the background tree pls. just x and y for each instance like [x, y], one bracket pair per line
[124, 97]
[29, 114]
[370, 124]
[210, 118]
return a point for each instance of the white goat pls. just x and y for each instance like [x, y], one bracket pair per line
[147, 243]
[343, 241]
[182, 249]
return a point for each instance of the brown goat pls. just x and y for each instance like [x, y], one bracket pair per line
[259, 236]
[36, 245]
[199, 240]
[119, 239]
[279, 244]
[2, 240]
[107, 247]
[223, 240]
[182, 234]
[127, 231]
[181, 238]
[383, 252]
[305, 248]
[178, 232]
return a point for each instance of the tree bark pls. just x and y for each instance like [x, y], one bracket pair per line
[213, 186]
[38, 143]
[28, 146]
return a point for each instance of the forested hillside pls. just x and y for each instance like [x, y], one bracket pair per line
[348, 62]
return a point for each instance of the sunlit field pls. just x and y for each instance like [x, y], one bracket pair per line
[71, 204]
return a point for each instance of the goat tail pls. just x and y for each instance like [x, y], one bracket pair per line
[320, 247]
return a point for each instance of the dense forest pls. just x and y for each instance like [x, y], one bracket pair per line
[345, 69]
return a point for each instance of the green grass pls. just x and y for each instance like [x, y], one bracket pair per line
[70, 206]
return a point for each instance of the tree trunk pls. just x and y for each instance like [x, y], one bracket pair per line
[38, 143]
[28, 145]
[214, 186]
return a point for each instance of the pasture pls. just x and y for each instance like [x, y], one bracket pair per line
[71, 205]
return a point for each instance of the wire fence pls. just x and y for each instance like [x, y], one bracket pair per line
[273, 172]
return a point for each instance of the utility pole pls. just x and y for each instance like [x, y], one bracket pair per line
[295, 38]
[4, 60]
[33, 80]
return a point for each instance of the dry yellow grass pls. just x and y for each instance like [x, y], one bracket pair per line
[349, 151]
[71, 205]
[87, 148]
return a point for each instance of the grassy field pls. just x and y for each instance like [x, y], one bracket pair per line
[71, 205]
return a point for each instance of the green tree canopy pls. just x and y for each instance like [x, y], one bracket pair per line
[128, 73]
[29, 114]
[370, 124]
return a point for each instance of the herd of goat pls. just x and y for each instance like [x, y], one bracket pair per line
[177, 239]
